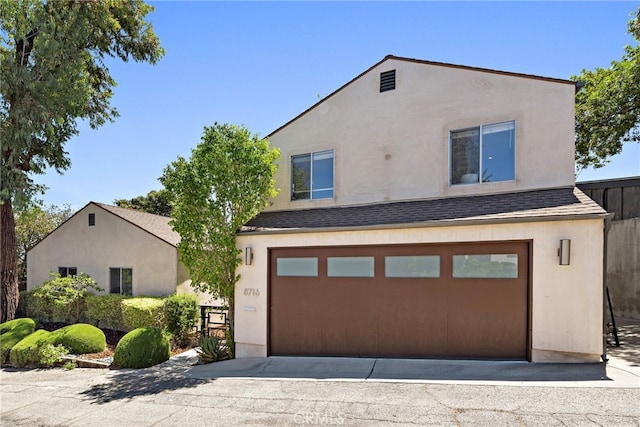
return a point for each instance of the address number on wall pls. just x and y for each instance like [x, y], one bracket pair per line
[252, 292]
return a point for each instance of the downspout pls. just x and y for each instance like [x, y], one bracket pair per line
[605, 329]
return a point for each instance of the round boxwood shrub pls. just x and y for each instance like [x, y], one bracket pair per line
[80, 338]
[12, 332]
[142, 348]
[27, 351]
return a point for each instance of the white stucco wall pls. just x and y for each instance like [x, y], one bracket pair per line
[566, 300]
[395, 145]
[112, 242]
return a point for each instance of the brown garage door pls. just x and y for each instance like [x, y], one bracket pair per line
[455, 300]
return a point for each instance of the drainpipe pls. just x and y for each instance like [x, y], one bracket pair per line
[607, 227]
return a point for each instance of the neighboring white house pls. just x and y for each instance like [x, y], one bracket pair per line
[124, 250]
[422, 210]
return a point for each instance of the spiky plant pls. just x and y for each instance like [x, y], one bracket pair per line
[212, 349]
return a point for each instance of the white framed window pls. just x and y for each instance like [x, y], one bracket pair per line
[312, 176]
[121, 280]
[484, 153]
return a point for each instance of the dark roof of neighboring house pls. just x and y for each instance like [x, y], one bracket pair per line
[422, 61]
[156, 225]
[550, 204]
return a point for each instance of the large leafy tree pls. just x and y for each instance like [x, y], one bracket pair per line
[33, 222]
[608, 106]
[53, 74]
[156, 202]
[227, 181]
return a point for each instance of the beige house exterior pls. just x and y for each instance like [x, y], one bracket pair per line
[421, 214]
[123, 250]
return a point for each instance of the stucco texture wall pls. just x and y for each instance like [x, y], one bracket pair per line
[566, 305]
[395, 145]
[111, 242]
[623, 267]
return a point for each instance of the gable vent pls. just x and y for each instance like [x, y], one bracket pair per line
[387, 80]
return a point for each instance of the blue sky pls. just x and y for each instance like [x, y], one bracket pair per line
[261, 63]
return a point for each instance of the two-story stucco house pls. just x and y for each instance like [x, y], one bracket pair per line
[124, 250]
[427, 210]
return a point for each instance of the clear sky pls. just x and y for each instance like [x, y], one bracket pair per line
[262, 63]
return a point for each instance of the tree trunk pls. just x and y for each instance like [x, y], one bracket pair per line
[9, 294]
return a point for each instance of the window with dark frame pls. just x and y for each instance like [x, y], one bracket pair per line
[67, 271]
[121, 280]
[92, 219]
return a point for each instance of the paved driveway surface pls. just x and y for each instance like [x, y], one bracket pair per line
[312, 391]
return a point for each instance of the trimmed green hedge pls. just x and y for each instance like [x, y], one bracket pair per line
[142, 348]
[80, 338]
[142, 312]
[177, 313]
[105, 311]
[12, 332]
[27, 351]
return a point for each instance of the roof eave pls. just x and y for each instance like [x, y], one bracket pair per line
[432, 224]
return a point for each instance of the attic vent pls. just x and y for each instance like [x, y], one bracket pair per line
[387, 80]
[92, 219]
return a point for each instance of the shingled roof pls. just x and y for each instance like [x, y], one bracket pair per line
[154, 224]
[556, 204]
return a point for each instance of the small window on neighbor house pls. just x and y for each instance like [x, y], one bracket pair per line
[312, 176]
[121, 281]
[387, 81]
[92, 219]
[67, 271]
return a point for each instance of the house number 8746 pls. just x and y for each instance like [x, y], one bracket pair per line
[252, 292]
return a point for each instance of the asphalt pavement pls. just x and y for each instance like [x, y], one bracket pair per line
[332, 391]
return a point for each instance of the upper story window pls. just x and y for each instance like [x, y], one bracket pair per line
[92, 219]
[312, 176]
[484, 153]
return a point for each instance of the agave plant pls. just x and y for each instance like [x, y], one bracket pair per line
[212, 349]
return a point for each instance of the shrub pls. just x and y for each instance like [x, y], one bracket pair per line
[182, 315]
[68, 293]
[27, 351]
[105, 311]
[12, 332]
[142, 348]
[80, 338]
[212, 349]
[142, 312]
[33, 304]
[51, 354]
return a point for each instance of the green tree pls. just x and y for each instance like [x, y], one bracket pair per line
[608, 106]
[157, 202]
[53, 74]
[227, 181]
[33, 223]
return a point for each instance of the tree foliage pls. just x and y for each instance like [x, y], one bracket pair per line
[33, 222]
[608, 106]
[157, 202]
[53, 74]
[227, 181]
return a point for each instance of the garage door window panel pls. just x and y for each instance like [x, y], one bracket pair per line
[478, 266]
[418, 266]
[297, 267]
[350, 267]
